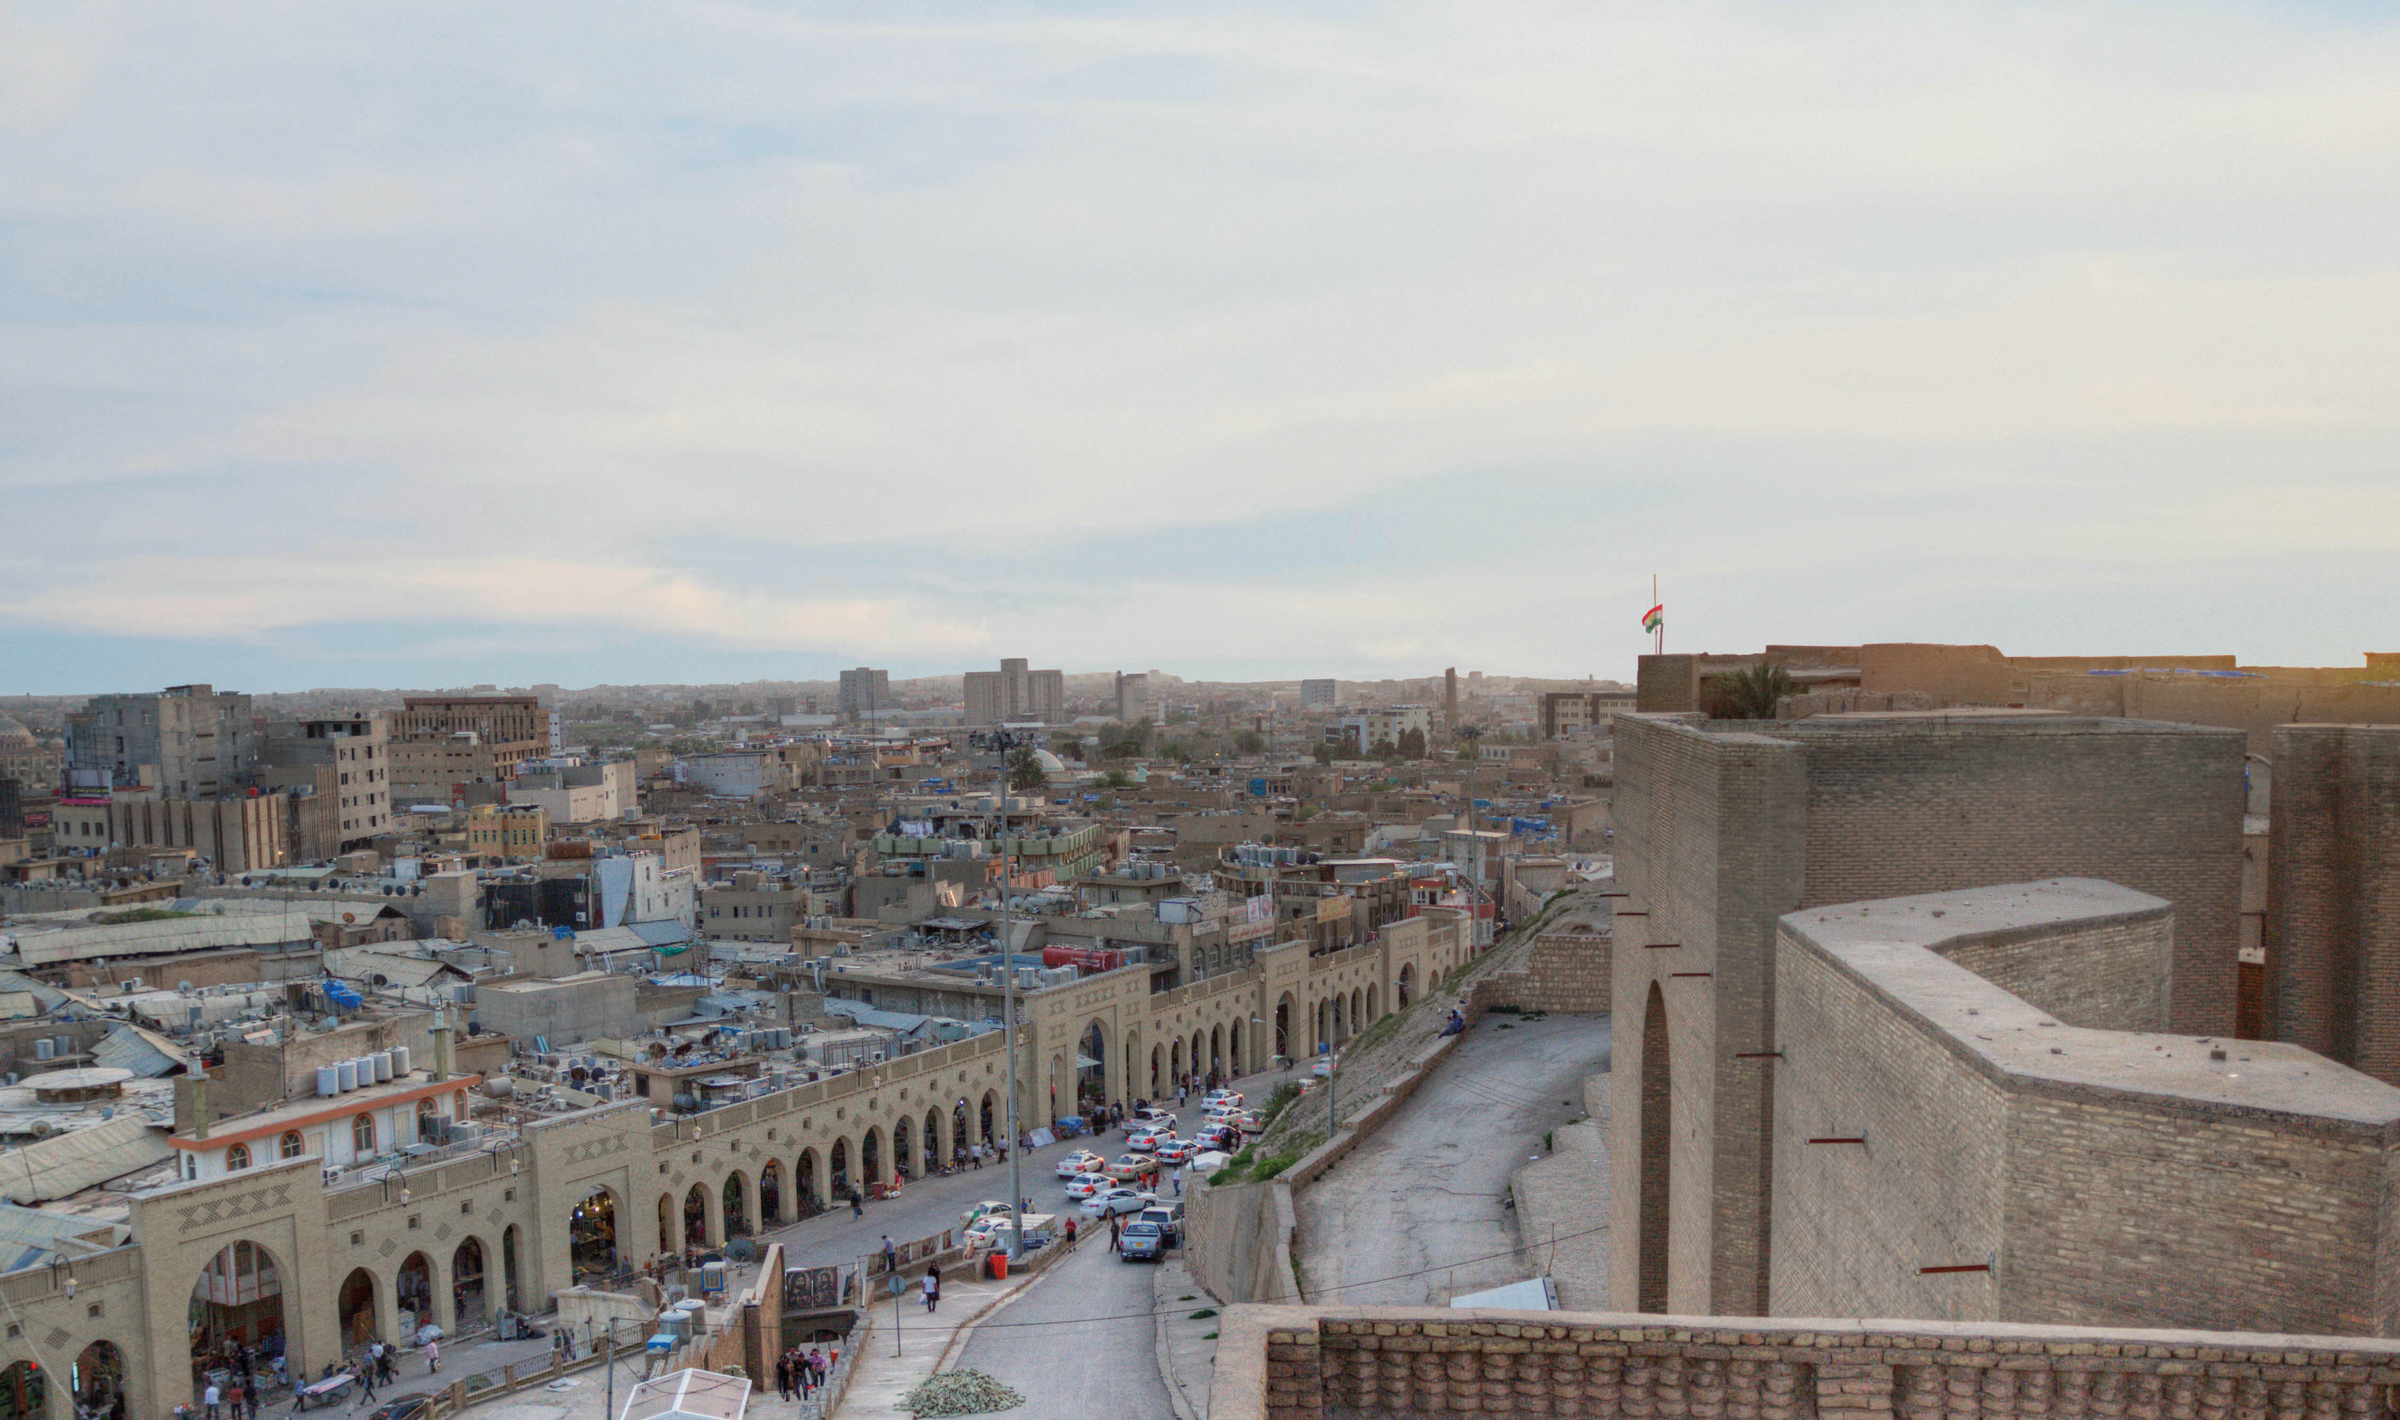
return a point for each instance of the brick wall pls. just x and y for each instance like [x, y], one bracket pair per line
[1710, 833]
[1722, 831]
[1927, 805]
[2333, 894]
[2112, 976]
[1568, 970]
[2104, 1177]
[1389, 1363]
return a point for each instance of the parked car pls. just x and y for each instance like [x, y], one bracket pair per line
[1141, 1242]
[1232, 1097]
[1118, 1200]
[991, 1230]
[1131, 1166]
[1176, 1151]
[1324, 1066]
[1084, 1185]
[1150, 1114]
[1081, 1161]
[1147, 1141]
[985, 1209]
[1168, 1218]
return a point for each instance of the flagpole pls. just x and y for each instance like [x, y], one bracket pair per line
[1661, 633]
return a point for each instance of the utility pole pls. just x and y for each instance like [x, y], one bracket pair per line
[1008, 1024]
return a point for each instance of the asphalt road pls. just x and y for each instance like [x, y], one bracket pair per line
[1079, 1342]
[1414, 1215]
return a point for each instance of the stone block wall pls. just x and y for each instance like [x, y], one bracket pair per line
[1567, 971]
[1393, 1364]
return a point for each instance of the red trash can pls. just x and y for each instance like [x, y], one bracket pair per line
[999, 1265]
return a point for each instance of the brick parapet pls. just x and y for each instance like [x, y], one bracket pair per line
[1401, 1364]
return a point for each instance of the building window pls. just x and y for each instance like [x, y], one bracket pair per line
[362, 1133]
[293, 1146]
[237, 1157]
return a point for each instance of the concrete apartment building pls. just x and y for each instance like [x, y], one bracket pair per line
[345, 761]
[440, 743]
[1320, 696]
[188, 741]
[573, 792]
[865, 691]
[1014, 693]
[1565, 713]
[1136, 697]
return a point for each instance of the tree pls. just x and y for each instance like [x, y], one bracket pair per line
[1749, 694]
[1025, 772]
[1324, 753]
[1116, 779]
[1412, 743]
[1249, 742]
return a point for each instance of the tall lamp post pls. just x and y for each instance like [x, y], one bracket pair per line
[1008, 1007]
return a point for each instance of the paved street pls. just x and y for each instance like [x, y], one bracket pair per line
[1080, 1341]
[1414, 1215]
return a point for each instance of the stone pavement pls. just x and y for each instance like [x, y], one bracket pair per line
[1187, 1345]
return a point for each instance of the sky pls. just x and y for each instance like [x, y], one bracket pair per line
[428, 344]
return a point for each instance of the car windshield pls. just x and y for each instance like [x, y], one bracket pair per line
[1142, 1230]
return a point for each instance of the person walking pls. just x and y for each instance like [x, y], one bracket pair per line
[783, 1375]
[433, 1357]
[891, 1255]
[933, 1288]
[1179, 1180]
[211, 1399]
[1070, 1234]
[858, 1209]
[233, 1400]
[384, 1360]
[1116, 1232]
[366, 1383]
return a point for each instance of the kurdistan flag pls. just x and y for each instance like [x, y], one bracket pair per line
[1655, 617]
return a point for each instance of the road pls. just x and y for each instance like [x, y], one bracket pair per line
[1080, 1341]
[1414, 1215]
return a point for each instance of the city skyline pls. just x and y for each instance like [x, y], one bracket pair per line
[1270, 341]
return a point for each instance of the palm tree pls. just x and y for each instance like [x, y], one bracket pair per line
[1025, 772]
[1750, 694]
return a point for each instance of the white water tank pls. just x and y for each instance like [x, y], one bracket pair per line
[348, 1073]
[383, 1066]
[329, 1080]
[399, 1061]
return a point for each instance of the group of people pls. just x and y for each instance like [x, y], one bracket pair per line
[799, 1375]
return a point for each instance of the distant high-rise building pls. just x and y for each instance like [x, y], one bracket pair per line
[1014, 693]
[866, 691]
[1137, 697]
[1320, 694]
[345, 761]
[1450, 695]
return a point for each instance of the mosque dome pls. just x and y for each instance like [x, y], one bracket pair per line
[14, 735]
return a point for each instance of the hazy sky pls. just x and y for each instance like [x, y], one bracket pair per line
[425, 344]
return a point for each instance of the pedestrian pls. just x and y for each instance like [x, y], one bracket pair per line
[1070, 1233]
[233, 1400]
[433, 1357]
[933, 1287]
[857, 1208]
[366, 1384]
[783, 1376]
[1179, 1180]
[1116, 1232]
[384, 1361]
[891, 1255]
[210, 1399]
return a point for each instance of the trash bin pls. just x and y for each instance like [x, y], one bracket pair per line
[999, 1265]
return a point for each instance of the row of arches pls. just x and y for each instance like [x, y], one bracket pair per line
[742, 1203]
[476, 1283]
